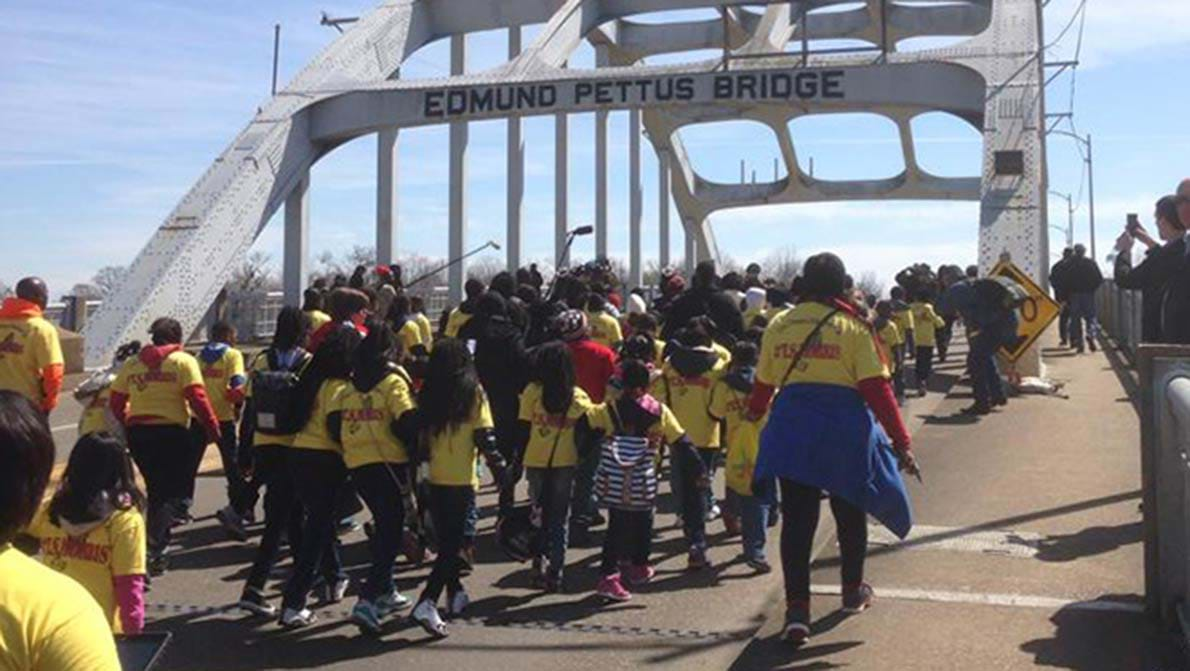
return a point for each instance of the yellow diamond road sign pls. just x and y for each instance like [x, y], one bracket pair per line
[1035, 314]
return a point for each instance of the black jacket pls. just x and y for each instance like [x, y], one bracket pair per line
[706, 301]
[1058, 280]
[1081, 276]
[503, 366]
[1164, 279]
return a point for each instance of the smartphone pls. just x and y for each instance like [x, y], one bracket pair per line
[1133, 223]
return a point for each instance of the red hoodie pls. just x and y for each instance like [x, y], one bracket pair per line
[594, 365]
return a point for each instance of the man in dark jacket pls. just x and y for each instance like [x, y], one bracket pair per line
[1062, 294]
[1082, 278]
[704, 298]
[502, 365]
[1158, 272]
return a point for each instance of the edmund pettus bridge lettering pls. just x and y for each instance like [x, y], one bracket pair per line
[543, 97]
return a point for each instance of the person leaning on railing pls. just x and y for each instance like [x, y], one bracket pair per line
[1158, 275]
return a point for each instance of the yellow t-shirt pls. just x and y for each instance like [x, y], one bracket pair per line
[453, 455]
[115, 548]
[409, 335]
[658, 352]
[28, 345]
[605, 330]
[260, 364]
[426, 329]
[94, 417]
[456, 321]
[667, 429]
[315, 435]
[689, 398]
[367, 420]
[546, 430]
[889, 337]
[926, 324]
[49, 622]
[751, 314]
[845, 353]
[743, 435]
[218, 376]
[771, 313]
[318, 319]
[158, 392]
[904, 320]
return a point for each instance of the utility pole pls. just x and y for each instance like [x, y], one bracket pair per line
[276, 53]
[1091, 193]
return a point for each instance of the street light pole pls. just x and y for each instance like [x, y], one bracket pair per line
[1069, 216]
[1091, 193]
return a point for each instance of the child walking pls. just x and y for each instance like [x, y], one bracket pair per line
[636, 425]
[93, 530]
[926, 323]
[892, 344]
[729, 403]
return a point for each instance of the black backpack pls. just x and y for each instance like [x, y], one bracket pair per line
[272, 394]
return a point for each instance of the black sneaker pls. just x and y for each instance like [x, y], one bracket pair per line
[858, 599]
[158, 565]
[797, 623]
[254, 602]
[976, 410]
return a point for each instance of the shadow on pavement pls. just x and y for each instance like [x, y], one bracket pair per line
[1105, 640]
[1089, 542]
[772, 653]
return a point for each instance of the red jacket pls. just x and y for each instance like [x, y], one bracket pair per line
[594, 365]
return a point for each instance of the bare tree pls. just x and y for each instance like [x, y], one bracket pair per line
[360, 255]
[414, 266]
[254, 274]
[108, 278]
[86, 291]
[782, 265]
[485, 268]
[4, 289]
[870, 285]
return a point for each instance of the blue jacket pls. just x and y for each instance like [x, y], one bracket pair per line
[824, 436]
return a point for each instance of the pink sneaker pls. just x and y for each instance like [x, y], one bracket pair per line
[612, 589]
[639, 575]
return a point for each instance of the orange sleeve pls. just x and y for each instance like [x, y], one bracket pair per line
[51, 385]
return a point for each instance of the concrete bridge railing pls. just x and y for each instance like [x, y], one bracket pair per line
[1119, 312]
[1165, 469]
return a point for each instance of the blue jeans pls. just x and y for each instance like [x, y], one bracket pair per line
[583, 505]
[754, 517]
[552, 489]
[981, 363]
[1082, 309]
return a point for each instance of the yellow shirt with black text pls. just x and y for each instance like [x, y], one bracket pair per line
[547, 431]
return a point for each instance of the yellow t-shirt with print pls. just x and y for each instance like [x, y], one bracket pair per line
[410, 335]
[845, 351]
[218, 376]
[605, 330]
[315, 435]
[28, 345]
[260, 364]
[426, 329]
[926, 324]
[742, 436]
[546, 430]
[889, 337]
[48, 622]
[904, 320]
[159, 392]
[689, 398]
[453, 455]
[318, 319]
[667, 429]
[112, 549]
[367, 418]
[455, 322]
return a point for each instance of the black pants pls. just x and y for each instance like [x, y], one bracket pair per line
[945, 335]
[925, 364]
[629, 538]
[282, 513]
[377, 484]
[198, 449]
[1064, 322]
[318, 477]
[163, 453]
[800, 506]
[448, 509]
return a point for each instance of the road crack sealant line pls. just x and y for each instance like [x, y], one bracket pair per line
[172, 609]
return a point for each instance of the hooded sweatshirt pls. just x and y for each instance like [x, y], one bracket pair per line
[162, 386]
[685, 386]
[224, 377]
[31, 362]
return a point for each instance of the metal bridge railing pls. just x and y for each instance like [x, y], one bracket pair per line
[1165, 471]
[1119, 312]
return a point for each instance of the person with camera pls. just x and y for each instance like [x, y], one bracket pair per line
[1159, 267]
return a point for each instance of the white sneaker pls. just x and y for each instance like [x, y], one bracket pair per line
[296, 619]
[391, 603]
[457, 603]
[426, 614]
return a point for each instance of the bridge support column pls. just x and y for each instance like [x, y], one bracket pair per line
[297, 242]
[634, 200]
[561, 185]
[386, 197]
[663, 199]
[516, 171]
[458, 181]
[601, 184]
[691, 254]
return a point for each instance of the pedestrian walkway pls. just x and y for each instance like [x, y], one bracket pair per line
[1026, 553]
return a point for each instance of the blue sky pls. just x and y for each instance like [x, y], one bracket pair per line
[110, 110]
